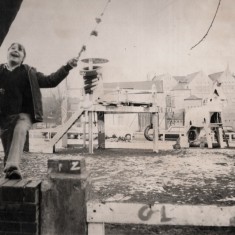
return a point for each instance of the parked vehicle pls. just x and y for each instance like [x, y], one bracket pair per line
[172, 133]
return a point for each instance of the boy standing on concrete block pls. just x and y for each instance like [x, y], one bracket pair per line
[21, 104]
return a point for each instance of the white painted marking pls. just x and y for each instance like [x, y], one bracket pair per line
[75, 166]
[60, 166]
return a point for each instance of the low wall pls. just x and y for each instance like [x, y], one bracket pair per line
[19, 207]
[54, 206]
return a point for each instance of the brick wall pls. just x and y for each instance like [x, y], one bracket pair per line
[19, 207]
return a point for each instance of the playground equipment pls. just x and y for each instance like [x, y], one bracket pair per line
[91, 78]
[95, 104]
[202, 125]
[93, 109]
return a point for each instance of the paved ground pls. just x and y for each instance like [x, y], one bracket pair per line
[186, 176]
[193, 176]
[190, 176]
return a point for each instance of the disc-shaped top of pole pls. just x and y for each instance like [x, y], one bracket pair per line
[86, 71]
[95, 60]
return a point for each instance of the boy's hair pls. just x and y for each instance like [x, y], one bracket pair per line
[20, 47]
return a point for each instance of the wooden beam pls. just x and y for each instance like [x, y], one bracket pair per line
[221, 139]
[160, 214]
[84, 128]
[96, 229]
[66, 126]
[122, 109]
[90, 129]
[101, 130]
[208, 137]
[155, 132]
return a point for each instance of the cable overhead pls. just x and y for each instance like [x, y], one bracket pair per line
[94, 32]
[209, 27]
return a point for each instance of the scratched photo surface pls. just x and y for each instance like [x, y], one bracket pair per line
[150, 107]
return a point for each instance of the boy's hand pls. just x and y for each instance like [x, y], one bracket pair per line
[73, 62]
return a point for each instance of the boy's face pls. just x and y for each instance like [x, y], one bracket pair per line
[16, 54]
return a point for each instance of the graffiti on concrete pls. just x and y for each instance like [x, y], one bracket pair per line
[164, 218]
[145, 213]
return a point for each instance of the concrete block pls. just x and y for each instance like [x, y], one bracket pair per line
[64, 197]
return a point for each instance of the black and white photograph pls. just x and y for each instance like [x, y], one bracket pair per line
[117, 117]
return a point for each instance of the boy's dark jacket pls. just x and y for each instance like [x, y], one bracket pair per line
[38, 80]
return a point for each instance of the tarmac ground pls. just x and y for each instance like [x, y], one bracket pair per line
[192, 176]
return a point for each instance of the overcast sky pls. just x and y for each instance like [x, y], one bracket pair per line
[138, 37]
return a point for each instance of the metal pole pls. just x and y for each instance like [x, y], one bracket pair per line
[155, 132]
[90, 127]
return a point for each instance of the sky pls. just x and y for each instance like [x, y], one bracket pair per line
[140, 38]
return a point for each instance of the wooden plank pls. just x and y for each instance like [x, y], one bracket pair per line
[123, 109]
[101, 130]
[96, 229]
[208, 137]
[90, 132]
[63, 130]
[155, 132]
[160, 214]
[221, 139]
[84, 129]
[148, 145]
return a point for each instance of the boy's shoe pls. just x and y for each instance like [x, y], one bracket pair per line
[12, 173]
